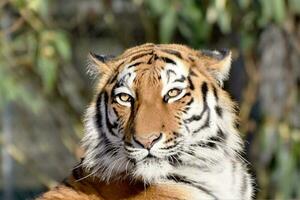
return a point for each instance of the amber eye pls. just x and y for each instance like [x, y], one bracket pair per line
[174, 92]
[124, 97]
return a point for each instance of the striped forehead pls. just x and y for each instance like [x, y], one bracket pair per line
[173, 75]
[125, 80]
[127, 75]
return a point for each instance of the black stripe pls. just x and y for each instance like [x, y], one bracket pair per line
[151, 59]
[236, 124]
[117, 114]
[77, 173]
[109, 125]
[192, 73]
[173, 52]
[197, 117]
[215, 93]
[221, 134]
[135, 64]
[204, 90]
[125, 77]
[192, 153]
[190, 102]
[129, 150]
[120, 64]
[174, 160]
[98, 120]
[192, 87]
[102, 58]
[139, 56]
[168, 60]
[181, 179]
[181, 79]
[194, 117]
[128, 144]
[213, 141]
[186, 95]
[169, 72]
[205, 125]
[98, 117]
[139, 51]
[218, 55]
[219, 111]
[113, 78]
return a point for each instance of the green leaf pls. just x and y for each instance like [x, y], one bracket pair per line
[190, 11]
[168, 25]
[185, 30]
[247, 41]
[279, 10]
[294, 6]
[224, 21]
[62, 45]
[244, 3]
[47, 69]
[266, 14]
[19, 3]
[158, 7]
[39, 6]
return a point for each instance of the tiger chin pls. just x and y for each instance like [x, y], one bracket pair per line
[160, 126]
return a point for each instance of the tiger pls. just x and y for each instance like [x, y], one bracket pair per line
[160, 126]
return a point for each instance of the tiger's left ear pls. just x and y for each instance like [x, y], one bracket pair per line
[99, 64]
[217, 63]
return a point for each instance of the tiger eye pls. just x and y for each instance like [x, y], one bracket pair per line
[124, 97]
[174, 92]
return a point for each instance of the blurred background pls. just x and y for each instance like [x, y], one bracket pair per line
[44, 88]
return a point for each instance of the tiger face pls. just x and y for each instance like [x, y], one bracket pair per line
[156, 106]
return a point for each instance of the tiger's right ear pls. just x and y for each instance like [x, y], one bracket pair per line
[99, 64]
[217, 63]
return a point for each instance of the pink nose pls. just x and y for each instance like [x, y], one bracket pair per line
[147, 142]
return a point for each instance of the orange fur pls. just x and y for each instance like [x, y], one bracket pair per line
[92, 188]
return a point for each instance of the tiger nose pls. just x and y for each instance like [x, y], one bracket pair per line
[147, 142]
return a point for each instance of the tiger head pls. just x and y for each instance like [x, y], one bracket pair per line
[157, 108]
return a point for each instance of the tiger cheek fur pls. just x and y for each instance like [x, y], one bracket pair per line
[161, 117]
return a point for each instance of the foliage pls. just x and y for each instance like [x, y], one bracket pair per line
[32, 49]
